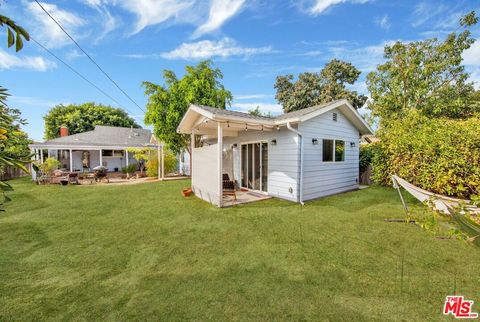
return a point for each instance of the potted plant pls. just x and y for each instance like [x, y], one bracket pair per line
[187, 192]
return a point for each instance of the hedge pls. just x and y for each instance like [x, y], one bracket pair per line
[440, 155]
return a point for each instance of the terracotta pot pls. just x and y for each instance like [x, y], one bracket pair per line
[187, 192]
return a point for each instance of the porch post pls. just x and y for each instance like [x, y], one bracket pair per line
[159, 165]
[163, 164]
[126, 157]
[220, 162]
[33, 152]
[192, 147]
[101, 157]
[71, 161]
[41, 155]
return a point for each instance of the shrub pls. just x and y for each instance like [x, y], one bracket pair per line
[367, 152]
[170, 163]
[440, 155]
[49, 165]
[129, 169]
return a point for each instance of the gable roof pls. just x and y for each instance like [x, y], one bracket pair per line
[104, 136]
[195, 111]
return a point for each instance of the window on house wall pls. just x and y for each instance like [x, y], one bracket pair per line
[339, 151]
[327, 148]
[335, 116]
[118, 153]
[333, 150]
[112, 153]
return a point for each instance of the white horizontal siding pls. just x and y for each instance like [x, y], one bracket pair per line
[326, 178]
[205, 173]
[282, 160]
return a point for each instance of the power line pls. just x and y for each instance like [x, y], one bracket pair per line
[78, 73]
[89, 57]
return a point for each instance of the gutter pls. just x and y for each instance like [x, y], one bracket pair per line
[300, 183]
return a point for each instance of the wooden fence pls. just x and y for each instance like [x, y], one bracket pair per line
[366, 176]
[12, 173]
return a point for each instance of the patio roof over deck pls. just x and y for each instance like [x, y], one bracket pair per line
[197, 119]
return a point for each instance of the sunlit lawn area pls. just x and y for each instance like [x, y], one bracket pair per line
[143, 252]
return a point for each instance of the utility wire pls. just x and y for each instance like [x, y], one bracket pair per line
[78, 73]
[89, 57]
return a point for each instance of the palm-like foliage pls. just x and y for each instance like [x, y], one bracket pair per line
[14, 33]
[9, 136]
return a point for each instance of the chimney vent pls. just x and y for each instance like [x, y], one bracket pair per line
[63, 131]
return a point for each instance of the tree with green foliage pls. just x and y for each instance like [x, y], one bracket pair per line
[427, 76]
[170, 163]
[256, 112]
[168, 103]
[429, 115]
[13, 142]
[142, 156]
[311, 89]
[84, 117]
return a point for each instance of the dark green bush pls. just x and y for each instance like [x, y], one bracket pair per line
[440, 155]
[367, 152]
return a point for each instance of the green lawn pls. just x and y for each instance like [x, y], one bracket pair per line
[143, 252]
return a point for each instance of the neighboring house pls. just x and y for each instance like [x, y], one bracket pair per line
[105, 145]
[296, 156]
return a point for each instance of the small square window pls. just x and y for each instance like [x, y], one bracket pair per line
[335, 117]
[327, 149]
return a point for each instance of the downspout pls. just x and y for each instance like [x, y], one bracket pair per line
[300, 136]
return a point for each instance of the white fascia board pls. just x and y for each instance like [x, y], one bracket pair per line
[86, 147]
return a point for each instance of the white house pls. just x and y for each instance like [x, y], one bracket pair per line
[105, 145]
[296, 156]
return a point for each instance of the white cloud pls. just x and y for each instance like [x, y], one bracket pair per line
[45, 28]
[241, 97]
[472, 55]
[205, 49]
[424, 12]
[321, 6]
[153, 12]
[471, 58]
[109, 22]
[23, 101]
[263, 107]
[36, 63]
[383, 22]
[220, 12]
[364, 58]
[475, 76]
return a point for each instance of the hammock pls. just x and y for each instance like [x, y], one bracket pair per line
[441, 203]
[445, 205]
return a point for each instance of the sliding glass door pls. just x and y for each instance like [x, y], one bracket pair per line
[255, 166]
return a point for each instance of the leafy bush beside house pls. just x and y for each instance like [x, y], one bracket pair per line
[129, 169]
[441, 155]
[49, 165]
[170, 163]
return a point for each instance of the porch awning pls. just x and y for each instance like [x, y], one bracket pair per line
[203, 120]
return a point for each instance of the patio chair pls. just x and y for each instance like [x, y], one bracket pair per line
[73, 178]
[229, 187]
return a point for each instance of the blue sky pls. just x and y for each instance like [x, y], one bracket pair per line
[251, 41]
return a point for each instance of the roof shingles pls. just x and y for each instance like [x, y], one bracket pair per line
[106, 136]
[294, 114]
